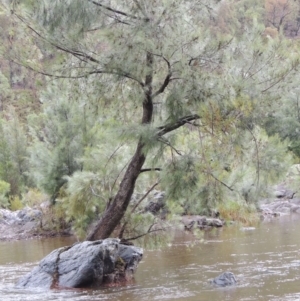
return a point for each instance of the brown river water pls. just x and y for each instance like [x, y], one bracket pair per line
[265, 261]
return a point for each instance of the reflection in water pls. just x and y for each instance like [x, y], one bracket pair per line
[265, 261]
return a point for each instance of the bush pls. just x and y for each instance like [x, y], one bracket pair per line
[239, 211]
[34, 197]
[15, 203]
[4, 190]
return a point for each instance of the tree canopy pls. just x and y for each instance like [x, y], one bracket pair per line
[176, 95]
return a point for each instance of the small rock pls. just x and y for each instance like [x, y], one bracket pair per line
[248, 228]
[225, 279]
[200, 221]
[214, 222]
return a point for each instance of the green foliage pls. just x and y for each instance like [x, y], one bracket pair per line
[82, 201]
[284, 120]
[60, 135]
[15, 203]
[292, 178]
[54, 218]
[34, 197]
[4, 190]
[13, 153]
[5, 90]
[210, 58]
[238, 211]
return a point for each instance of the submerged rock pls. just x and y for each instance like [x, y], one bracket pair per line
[202, 222]
[86, 264]
[225, 279]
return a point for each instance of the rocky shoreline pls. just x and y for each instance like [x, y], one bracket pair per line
[285, 201]
[29, 223]
[25, 224]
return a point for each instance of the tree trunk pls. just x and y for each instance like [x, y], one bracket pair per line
[117, 208]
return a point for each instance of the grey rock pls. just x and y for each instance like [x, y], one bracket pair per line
[279, 208]
[154, 207]
[29, 215]
[156, 204]
[9, 217]
[86, 264]
[214, 222]
[19, 217]
[281, 191]
[202, 222]
[225, 279]
[295, 201]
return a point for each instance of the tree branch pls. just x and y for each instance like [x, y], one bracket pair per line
[175, 125]
[73, 52]
[224, 184]
[166, 81]
[117, 11]
[165, 141]
[148, 232]
[78, 54]
[282, 77]
[82, 75]
[134, 207]
[144, 196]
[257, 156]
[95, 194]
[148, 102]
[150, 169]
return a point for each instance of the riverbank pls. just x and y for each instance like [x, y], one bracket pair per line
[28, 223]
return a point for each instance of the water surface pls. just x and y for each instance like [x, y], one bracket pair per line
[265, 260]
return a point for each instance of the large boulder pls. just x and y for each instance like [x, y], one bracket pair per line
[86, 264]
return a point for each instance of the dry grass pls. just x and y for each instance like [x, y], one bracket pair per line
[239, 212]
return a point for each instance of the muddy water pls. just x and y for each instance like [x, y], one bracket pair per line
[265, 260]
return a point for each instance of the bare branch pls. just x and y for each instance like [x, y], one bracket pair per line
[150, 169]
[144, 196]
[124, 74]
[166, 81]
[79, 55]
[282, 77]
[165, 141]
[117, 11]
[73, 52]
[135, 206]
[148, 232]
[175, 125]
[95, 194]
[224, 184]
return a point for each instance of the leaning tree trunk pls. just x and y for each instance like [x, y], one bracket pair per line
[118, 206]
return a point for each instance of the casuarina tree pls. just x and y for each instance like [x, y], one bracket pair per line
[158, 67]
